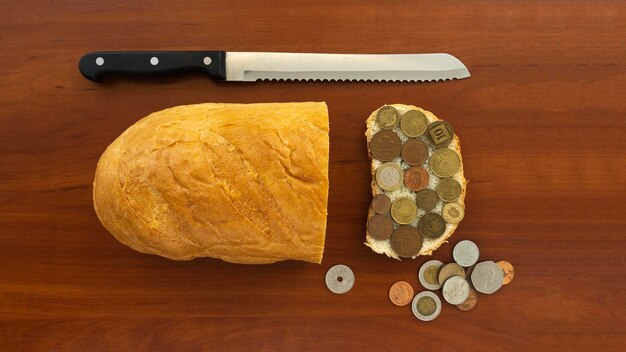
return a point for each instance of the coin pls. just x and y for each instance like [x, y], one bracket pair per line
[487, 277]
[455, 290]
[465, 253]
[401, 293]
[404, 211]
[414, 152]
[426, 306]
[431, 225]
[413, 123]
[439, 134]
[428, 274]
[381, 204]
[406, 241]
[444, 162]
[416, 178]
[339, 279]
[426, 199]
[470, 302]
[380, 227]
[449, 270]
[387, 117]
[389, 176]
[453, 213]
[385, 145]
[449, 189]
[509, 271]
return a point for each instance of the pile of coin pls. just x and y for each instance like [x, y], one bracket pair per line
[459, 282]
[407, 220]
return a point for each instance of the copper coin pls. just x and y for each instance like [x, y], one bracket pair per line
[385, 145]
[381, 204]
[414, 152]
[509, 271]
[401, 293]
[406, 241]
[416, 178]
[470, 302]
[380, 227]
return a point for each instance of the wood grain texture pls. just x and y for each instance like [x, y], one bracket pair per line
[542, 123]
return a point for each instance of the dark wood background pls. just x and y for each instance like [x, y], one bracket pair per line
[543, 130]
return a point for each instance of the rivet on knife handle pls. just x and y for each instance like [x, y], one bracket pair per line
[94, 66]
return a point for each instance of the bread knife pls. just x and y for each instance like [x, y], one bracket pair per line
[253, 66]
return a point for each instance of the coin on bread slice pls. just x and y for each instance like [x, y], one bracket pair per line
[424, 142]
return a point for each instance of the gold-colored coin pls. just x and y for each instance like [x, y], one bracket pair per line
[440, 134]
[431, 225]
[449, 190]
[389, 176]
[431, 274]
[404, 211]
[413, 123]
[449, 270]
[444, 162]
[427, 199]
[426, 305]
[509, 271]
[453, 213]
[387, 117]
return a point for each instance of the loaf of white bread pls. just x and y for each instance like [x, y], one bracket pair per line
[245, 183]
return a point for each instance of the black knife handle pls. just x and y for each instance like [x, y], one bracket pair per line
[94, 66]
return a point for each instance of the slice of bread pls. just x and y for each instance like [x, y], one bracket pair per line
[429, 244]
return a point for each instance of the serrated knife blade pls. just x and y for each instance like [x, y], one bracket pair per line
[253, 66]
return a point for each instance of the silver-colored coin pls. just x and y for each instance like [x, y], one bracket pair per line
[423, 301]
[456, 290]
[339, 279]
[465, 253]
[428, 274]
[487, 277]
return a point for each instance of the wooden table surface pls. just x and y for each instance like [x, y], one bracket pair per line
[542, 123]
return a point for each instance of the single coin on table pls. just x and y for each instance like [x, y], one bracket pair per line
[444, 162]
[509, 271]
[385, 145]
[449, 189]
[455, 290]
[387, 117]
[389, 176]
[428, 274]
[404, 211]
[380, 227]
[453, 213]
[431, 225]
[339, 279]
[470, 302]
[413, 123]
[487, 277]
[449, 270]
[426, 199]
[465, 253]
[416, 178]
[426, 306]
[401, 293]
[439, 134]
[406, 241]
[414, 152]
[381, 204]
